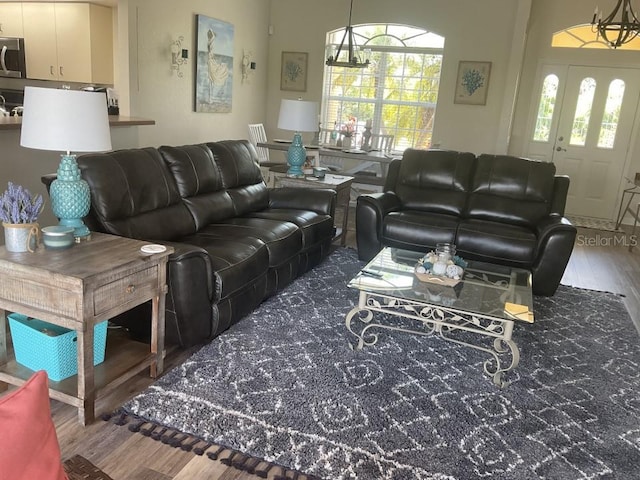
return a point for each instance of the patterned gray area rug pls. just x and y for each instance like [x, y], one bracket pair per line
[284, 386]
[594, 223]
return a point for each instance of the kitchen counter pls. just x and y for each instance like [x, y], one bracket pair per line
[15, 123]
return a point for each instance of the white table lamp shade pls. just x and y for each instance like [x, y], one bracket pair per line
[298, 116]
[65, 120]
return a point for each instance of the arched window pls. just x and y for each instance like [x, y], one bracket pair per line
[397, 94]
[582, 116]
[583, 36]
[611, 115]
[546, 108]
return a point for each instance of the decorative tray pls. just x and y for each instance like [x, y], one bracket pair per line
[438, 279]
[442, 267]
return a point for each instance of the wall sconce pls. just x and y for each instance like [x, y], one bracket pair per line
[247, 65]
[179, 55]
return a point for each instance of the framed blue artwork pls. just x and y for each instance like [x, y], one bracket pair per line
[214, 65]
[293, 74]
[472, 83]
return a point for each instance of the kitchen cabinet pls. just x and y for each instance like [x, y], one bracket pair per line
[68, 42]
[11, 20]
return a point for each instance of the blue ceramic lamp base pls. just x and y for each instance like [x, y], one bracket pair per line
[70, 198]
[296, 157]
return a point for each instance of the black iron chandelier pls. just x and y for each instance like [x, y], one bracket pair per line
[620, 27]
[353, 57]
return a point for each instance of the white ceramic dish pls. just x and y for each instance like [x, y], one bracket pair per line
[153, 248]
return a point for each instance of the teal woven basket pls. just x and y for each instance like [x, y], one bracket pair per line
[40, 345]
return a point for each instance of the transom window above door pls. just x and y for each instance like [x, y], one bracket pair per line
[396, 94]
[583, 36]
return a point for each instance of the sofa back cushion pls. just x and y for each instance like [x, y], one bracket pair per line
[241, 176]
[434, 180]
[511, 190]
[133, 194]
[199, 182]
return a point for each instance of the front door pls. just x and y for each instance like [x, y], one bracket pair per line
[583, 123]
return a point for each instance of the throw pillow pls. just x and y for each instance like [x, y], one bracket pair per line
[28, 444]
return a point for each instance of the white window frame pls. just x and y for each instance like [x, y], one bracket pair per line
[393, 44]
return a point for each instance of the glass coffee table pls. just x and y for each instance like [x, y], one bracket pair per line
[478, 312]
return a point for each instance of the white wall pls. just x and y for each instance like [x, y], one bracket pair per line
[486, 30]
[156, 92]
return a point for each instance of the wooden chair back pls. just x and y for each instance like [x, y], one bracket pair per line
[382, 142]
[258, 135]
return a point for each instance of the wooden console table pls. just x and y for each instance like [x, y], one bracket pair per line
[77, 288]
[341, 184]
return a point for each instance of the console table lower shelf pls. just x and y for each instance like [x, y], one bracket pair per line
[437, 320]
[124, 358]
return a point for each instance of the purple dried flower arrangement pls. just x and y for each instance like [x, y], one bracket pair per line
[18, 205]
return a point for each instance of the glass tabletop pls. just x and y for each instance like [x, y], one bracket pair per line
[485, 289]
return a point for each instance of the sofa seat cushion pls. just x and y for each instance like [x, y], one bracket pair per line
[415, 230]
[315, 228]
[496, 242]
[283, 240]
[236, 261]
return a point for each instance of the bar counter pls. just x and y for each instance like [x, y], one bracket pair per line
[15, 123]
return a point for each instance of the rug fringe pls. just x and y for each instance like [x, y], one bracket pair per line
[198, 446]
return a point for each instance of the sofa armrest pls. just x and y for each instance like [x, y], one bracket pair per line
[189, 257]
[560, 191]
[194, 290]
[370, 212]
[553, 224]
[556, 237]
[319, 200]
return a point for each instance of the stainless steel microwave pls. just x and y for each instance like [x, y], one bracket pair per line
[12, 62]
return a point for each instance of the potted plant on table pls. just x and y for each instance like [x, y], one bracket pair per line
[19, 210]
[347, 131]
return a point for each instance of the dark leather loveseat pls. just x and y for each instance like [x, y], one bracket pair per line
[498, 209]
[236, 241]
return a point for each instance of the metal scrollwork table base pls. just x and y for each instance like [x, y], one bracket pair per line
[437, 320]
[478, 312]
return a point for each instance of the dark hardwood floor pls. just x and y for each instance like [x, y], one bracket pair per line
[600, 261]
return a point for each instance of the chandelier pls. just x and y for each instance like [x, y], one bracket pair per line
[620, 27]
[353, 57]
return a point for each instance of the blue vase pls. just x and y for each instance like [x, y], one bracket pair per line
[70, 197]
[296, 157]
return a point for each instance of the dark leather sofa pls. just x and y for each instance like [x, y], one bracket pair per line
[495, 208]
[236, 241]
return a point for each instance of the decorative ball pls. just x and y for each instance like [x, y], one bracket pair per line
[421, 269]
[452, 271]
